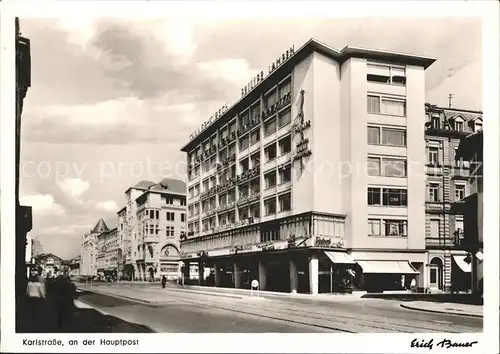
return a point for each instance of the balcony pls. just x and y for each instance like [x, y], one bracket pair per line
[224, 207]
[248, 127]
[280, 104]
[228, 161]
[228, 184]
[248, 175]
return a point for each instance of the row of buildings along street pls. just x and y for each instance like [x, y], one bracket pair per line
[268, 196]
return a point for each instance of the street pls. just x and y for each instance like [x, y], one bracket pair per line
[185, 311]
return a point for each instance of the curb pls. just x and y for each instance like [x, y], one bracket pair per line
[82, 305]
[465, 314]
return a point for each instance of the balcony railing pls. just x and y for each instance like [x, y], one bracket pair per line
[248, 198]
[248, 174]
[225, 207]
[275, 108]
[247, 127]
[230, 182]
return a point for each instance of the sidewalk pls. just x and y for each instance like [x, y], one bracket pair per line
[444, 307]
[82, 319]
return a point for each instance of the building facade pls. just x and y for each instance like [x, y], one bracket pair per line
[89, 249]
[304, 183]
[151, 225]
[74, 267]
[109, 254]
[49, 264]
[471, 149]
[447, 176]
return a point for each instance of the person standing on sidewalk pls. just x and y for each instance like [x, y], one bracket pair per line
[163, 281]
[35, 292]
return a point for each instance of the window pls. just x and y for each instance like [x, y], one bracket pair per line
[433, 156]
[285, 145]
[170, 231]
[170, 216]
[285, 202]
[435, 122]
[386, 136]
[270, 126]
[393, 107]
[157, 214]
[459, 126]
[152, 214]
[387, 196]
[434, 192]
[435, 228]
[183, 201]
[255, 137]
[394, 137]
[374, 227]
[394, 167]
[459, 224]
[271, 99]
[459, 192]
[387, 167]
[270, 179]
[270, 152]
[285, 174]
[386, 74]
[394, 197]
[374, 196]
[374, 104]
[433, 279]
[270, 206]
[284, 89]
[373, 166]
[285, 118]
[386, 105]
[244, 142]
[396, 228]
[478, 125]
[373, 135]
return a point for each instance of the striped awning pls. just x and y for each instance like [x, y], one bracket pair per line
[387, 267]
[462, 264]
[340, 257]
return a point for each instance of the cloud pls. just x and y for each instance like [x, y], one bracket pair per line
[42, 204]
[74, 187]
[107, 206]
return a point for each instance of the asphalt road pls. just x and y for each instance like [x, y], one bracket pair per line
[184, 311]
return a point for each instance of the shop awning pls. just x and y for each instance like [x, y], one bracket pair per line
[387, 267]
[340, 257]
[462, 264]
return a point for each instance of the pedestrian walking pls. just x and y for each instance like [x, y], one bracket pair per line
[35, 292]
[163, 281]
[64, 296]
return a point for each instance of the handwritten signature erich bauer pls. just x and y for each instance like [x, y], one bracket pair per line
[445, 343]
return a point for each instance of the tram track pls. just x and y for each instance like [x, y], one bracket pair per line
[312, 316]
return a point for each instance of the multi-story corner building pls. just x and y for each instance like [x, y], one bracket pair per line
[109, 254]
[151, 225]
[471, 149]
[305, 183]
[89, 249]
[449, 266]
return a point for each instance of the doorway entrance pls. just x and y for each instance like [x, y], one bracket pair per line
[436, 274]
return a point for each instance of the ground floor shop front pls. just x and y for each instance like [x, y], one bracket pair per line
[313, 270]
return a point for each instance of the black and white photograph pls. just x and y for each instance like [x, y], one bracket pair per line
[223, 168]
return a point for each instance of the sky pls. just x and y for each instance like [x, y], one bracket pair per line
[113, 101]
